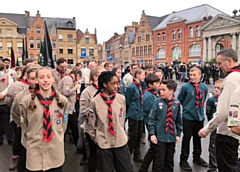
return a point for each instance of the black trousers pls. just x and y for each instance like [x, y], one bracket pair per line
[212, 153]
[92, 159]
[135, 129]
[148, 158]
[21, 167]
[59, 169]
[16, 146]
[226, 153]
[190, 129]
[164, 153]
[5, 122]
[115, 159]
[73, 125]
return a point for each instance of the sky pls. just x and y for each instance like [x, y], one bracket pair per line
[108, 16]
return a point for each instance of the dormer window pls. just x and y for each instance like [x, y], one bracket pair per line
[69, 24]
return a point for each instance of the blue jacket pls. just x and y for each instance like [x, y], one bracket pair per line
[148, 100]
[133, 103]
[157, 120]
[211, 106]
[187, 98]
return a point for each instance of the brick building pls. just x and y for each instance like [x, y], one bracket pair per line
[179, 36]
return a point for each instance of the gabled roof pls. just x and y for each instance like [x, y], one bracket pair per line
[154, 21]
[19, 19]
[221, 21]
[131, 36]
[80, 34]
[61, 23]
[190, 15]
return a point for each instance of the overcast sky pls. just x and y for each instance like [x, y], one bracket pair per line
[108, 16]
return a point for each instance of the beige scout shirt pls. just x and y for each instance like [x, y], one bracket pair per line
[41, 155]
[99, 122]
[84, 102]
[12, 73]
[4, 84]
[15, 108]
[220, 119]
[58, 77]
[13, 90]
[66, 88]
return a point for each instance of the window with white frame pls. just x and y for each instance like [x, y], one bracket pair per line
[53, 31]
[70, 37]
[70, 61]
[163, 37]
[161, 53]
[38, 30]
[194, 50]
[179, 34]
[60, 50]
[38, 43]
[31, 43]
[31, 56]
[176, 53]
[70, 50]
[191, 32]
[9, 45]
[150, 61]
[54, 44]
[198, 31]
[9, 32]
[1, 47]
[173, 35]
[60, 37]
[91, 52]
[158, 37]
[19, 47]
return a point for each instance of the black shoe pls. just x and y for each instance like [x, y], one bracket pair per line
[138, 159]
[185, 165]
[200, 162]
[83, 160]
[1, 143]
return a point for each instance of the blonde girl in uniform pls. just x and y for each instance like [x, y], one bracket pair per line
[107, 118]
[85, 100]
[43, 122]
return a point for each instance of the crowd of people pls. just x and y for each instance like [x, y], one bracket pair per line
[109, 111]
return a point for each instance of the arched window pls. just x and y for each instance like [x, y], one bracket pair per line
[191, 32]
[194, 50]
[173, 35]
[163, 37]
[176, 53]
[179, 34]
[198, 31]
[158, 37]
[161, 53]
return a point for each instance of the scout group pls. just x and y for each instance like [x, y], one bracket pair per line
[107, 115]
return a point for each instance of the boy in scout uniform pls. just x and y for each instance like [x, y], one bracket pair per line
[68, 87]
[44, 122]
[165, 126]
[150, 95]
[85, 99]
[211, 106]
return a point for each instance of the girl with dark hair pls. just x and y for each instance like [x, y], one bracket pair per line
[43, 122]
[68, 87]
[107, 118]
[121, 85]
